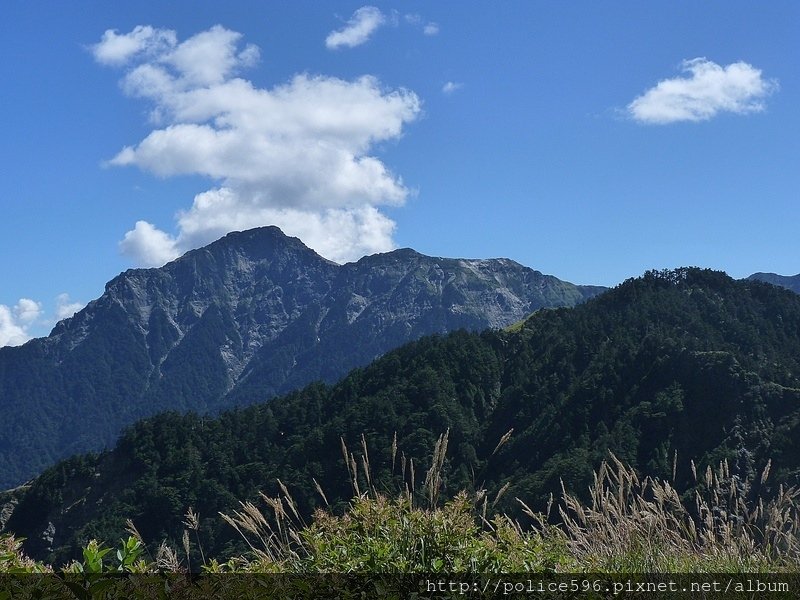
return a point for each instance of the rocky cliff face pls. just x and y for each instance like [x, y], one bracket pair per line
[250, 316]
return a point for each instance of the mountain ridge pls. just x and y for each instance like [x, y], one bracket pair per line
[250, 316]
[791, 282]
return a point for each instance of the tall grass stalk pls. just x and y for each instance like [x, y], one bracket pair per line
[629, 524]
[643, 525]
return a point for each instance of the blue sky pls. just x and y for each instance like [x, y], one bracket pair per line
[591, 141]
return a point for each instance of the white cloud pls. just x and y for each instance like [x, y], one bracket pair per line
[150, 247]
[27, 311]
[65, 308]
[297, 155]
[451, 86]
[11, 332]
[708, 90]
[15, 322]
[116, 49]
[429, 28]
[210, 57]
[358, 29]
[26, 319]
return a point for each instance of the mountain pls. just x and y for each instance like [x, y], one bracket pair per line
[665, 369]
[251, 316]
[790, 283]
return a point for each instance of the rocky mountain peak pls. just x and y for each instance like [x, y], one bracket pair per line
[252, 315]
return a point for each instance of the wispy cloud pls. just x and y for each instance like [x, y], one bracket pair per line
[708, 90]
[297, 155]
[357, 30]
[66, 307]
[451, 87]
[430, 28]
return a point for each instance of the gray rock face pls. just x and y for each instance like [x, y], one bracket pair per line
[250, 316]
[6, 510]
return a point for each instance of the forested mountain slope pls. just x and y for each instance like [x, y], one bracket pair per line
[688, 361]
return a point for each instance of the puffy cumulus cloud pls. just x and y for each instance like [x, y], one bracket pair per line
[65, 307]
[451, 86]
[707, 90]
[161, 67]
[27, 311]
[430, 28]
[210, 57]
[150, 247]
[297, 155]
[15, 321]
[357, 30]
[338, 234]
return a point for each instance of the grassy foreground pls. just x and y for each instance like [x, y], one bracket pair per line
[629, 525]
